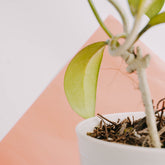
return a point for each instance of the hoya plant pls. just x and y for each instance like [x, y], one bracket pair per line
[80, 82]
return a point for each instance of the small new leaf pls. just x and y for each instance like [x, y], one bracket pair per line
[133, 4]
[158, 19]
[80, 81]
[151, 8]
[155, 8]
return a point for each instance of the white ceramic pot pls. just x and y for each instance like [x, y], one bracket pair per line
[97, 152]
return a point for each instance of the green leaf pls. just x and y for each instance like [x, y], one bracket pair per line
[152, 7]
[158, 19]
[80, 81]
[155, 8]
[133, 4]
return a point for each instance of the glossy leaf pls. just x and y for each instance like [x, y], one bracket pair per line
[152, 7]
[80, 80]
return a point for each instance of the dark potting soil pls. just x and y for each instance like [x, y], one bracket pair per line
[130, 131]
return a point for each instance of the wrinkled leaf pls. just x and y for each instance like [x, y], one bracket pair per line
[152, 7]
[80, 81]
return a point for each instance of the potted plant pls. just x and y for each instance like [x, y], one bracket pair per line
[80, 85]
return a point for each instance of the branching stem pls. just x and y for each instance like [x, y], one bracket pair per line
[130, 39]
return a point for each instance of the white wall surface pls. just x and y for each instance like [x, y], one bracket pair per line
[37, 38]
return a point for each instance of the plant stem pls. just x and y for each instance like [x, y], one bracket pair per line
[134, 33]
[142, 32]
[150, 115]
[99, 19]
[130, 39]
[122, 14]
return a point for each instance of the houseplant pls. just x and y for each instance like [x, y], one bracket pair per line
[81, 76]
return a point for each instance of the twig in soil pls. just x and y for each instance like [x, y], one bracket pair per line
[123, 127]
[163, 99]
[160, 123]
[161, 131]
[127, 131]
[147, 138]
[112, 122]
[162, 108]
[106, 131]
[143, 132]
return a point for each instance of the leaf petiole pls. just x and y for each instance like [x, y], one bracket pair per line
[99, 19]
[122, 14]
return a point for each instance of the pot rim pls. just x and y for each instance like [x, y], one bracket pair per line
[113, 144]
